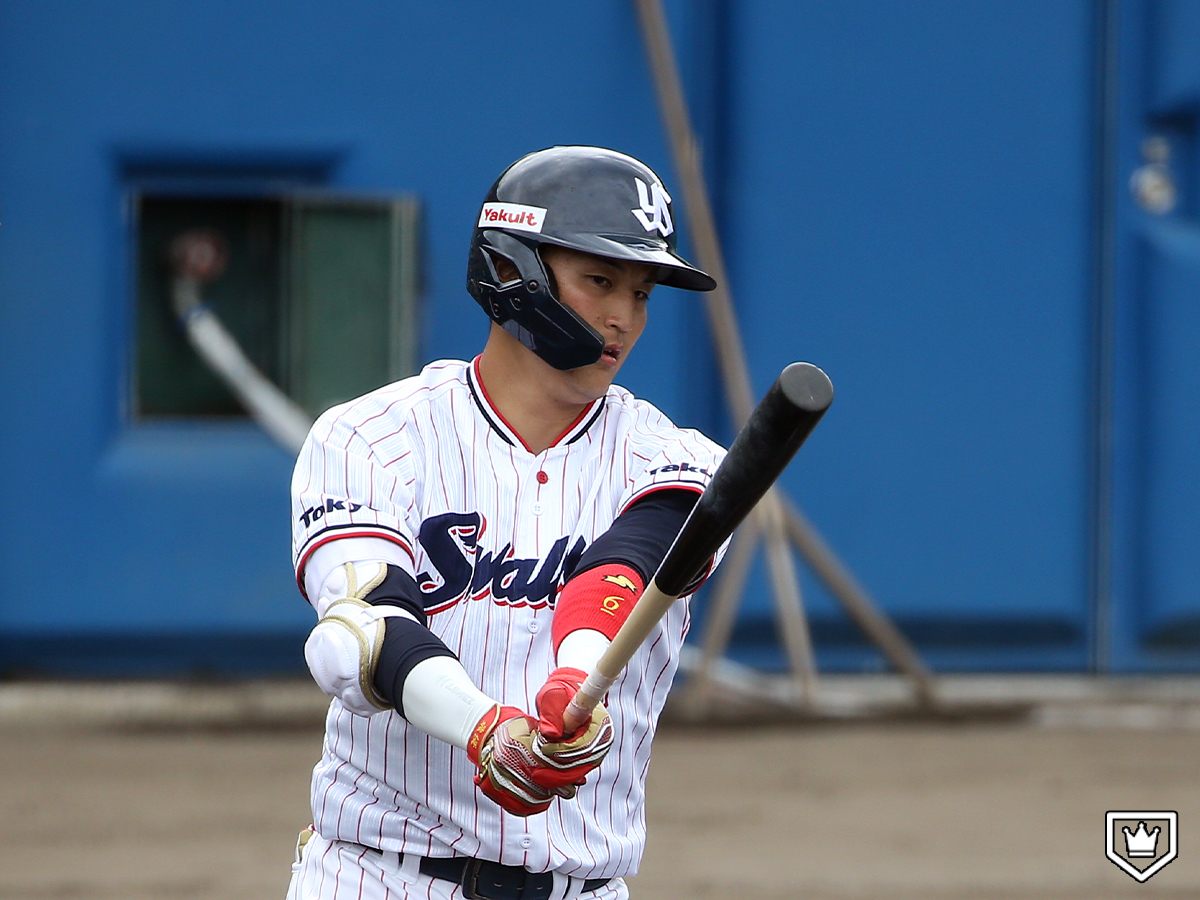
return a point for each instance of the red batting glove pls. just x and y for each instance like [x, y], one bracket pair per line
[566, 759]
[502, 746]
[552, 701]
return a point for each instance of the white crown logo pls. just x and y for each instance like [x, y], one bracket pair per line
[1143, 853]
[1141, 843]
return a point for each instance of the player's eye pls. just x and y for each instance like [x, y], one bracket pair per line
[642, 295]
[601, 281]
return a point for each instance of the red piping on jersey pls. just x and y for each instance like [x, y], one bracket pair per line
[579, 418]
[483, 389]
[310, 550]
[655, 488]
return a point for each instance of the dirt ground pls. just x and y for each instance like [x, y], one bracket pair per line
[855, 811]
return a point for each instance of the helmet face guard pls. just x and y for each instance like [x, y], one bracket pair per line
[527, 307]
[583, 198]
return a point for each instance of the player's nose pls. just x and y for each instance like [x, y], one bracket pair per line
[622, 313]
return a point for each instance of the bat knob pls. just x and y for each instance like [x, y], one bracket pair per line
[806, 386]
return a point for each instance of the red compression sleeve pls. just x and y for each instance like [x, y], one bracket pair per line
[600, 599]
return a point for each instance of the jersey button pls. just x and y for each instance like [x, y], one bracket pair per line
[536, 509]
[526, 842]
[534, 626]
[542, 477]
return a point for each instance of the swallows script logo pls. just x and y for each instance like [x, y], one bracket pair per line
[463, 567]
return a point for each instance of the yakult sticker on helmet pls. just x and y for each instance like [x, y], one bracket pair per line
[512, 215]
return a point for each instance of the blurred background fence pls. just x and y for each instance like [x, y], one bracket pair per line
[980, 218]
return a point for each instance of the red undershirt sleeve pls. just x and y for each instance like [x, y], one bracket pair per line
[600, 599]
[614, 571]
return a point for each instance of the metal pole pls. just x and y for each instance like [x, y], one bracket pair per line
[784, 517]
[730, 353]
[875, 624]
[730, 349]
[722, 611]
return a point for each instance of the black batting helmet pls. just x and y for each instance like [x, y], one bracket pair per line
[584, 198]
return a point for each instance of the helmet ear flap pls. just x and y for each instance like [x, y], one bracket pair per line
[527, 306]
[502, 269]
[523, 257]
[528, 280]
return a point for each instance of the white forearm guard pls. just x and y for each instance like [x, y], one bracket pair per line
[343, 648]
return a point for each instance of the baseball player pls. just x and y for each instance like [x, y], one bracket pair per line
[472, 538]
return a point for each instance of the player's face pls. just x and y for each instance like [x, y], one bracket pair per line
[608, 294]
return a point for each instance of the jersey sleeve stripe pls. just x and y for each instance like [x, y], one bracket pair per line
[663, 486]
[336, 532]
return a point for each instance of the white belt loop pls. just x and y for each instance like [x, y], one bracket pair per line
[410, 867]
[389, 861]
[570, 886]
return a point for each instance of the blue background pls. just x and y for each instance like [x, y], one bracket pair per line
[928, 200]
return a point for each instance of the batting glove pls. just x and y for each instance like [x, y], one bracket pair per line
[566, 758]
[554, 698]
[502, 747]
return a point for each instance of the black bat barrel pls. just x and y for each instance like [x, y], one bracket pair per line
[778, 426]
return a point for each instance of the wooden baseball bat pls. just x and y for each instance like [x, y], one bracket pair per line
[772, 435]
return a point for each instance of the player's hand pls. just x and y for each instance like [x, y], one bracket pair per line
[567, 758]
[552, 701]
[502, 746]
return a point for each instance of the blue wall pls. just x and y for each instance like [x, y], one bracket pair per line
[911, 197]
[908, 195]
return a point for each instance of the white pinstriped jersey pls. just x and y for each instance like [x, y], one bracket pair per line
[488, 530]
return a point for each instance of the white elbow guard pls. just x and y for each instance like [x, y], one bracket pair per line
[343, 648]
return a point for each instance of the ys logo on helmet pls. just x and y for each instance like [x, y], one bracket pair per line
[654, 211]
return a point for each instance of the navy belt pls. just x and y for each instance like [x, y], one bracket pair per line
[483, 880]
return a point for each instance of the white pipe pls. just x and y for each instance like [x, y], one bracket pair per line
[280, 416]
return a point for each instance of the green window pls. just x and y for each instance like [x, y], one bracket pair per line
[319, 290]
